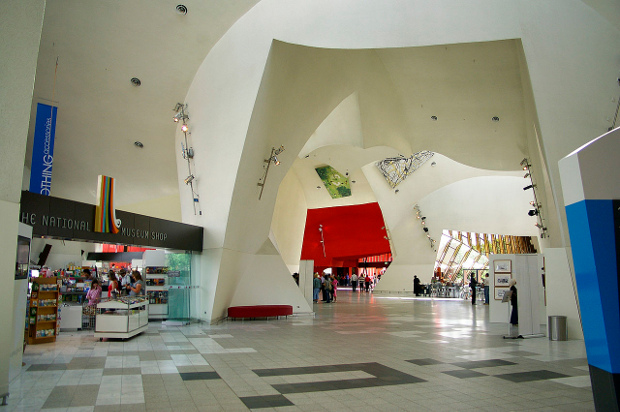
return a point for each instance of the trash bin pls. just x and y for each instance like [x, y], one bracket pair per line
[557, 328]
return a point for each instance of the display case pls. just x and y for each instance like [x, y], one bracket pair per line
[43, 310]
[122, 318]
[157, 291]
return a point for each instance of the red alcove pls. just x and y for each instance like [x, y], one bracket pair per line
[350, 233]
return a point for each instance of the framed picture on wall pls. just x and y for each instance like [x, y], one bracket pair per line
[500, 292]
[503, 266]
[502, 280]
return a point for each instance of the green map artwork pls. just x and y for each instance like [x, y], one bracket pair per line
[336, 184]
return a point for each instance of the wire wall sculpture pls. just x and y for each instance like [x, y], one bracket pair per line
[396, 169]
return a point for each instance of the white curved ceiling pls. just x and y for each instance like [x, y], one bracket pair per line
[90, 50]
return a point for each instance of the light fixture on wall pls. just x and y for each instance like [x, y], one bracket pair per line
[425, 229]
[322, 240]
[536, 211]
[182, 117]
[273, 158]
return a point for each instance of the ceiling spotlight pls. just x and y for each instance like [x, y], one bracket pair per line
[423, 218]
[495, 118]
[189, 179]
[527, 175]
[181, 9]
[433, 164]
[275, 161]
[541, 227]
[425, 229]
[529, 187]
[433, 118]
[135, 81]
[524, 161]
[138, 144]
[184, 128]
[533, 212]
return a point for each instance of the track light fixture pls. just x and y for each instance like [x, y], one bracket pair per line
[181, 110]
[182, 116]
[273, 158]
[534, 203]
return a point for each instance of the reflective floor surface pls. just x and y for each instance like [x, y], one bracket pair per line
[366, 352]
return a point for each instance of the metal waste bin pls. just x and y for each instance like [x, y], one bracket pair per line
[557, 328]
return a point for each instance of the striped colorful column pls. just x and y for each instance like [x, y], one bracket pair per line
[105, 214]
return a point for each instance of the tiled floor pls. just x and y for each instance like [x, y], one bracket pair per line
[364, 353]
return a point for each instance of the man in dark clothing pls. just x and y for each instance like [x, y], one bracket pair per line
[472, 284]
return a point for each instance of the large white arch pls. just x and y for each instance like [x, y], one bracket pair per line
[247, 97]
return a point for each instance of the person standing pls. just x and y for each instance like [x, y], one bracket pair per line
[416, 285]
[94, 294]
[328, 287]
[514, 315]
[472, 284]
[125, 279]
[485, 282]
[354, 282]
[137, 289]
[316, 287]
[335, 289]
[367, 282]
[112, 285]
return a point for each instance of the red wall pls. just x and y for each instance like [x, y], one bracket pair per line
[350, 232]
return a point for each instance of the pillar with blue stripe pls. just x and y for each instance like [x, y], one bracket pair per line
[591, 187]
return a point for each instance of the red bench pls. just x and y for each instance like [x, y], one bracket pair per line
[259, 311]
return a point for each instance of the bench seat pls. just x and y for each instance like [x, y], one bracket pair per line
[259, 311]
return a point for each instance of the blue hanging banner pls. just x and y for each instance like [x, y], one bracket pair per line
[43, 149]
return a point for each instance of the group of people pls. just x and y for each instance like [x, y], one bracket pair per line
[473, 283]
[326, 284]
[365, 283]
[123, 284]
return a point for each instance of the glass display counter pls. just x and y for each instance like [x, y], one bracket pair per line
[122, 318]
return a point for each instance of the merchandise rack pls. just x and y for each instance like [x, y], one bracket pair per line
[43, 311]
[157, 291]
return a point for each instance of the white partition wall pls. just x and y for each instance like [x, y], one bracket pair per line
[527, 271]
[306, 273]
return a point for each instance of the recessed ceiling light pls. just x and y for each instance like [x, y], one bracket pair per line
[135, 81]
[181, 9]
[433, 118]
[495, 119]
[138, 144]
